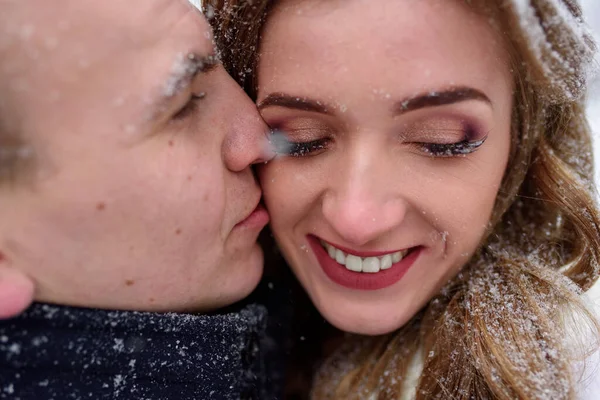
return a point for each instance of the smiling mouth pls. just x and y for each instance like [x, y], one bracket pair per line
[363, 270]
[370, 265]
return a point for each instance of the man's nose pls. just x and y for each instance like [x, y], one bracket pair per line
[362, 206]
[247, 140]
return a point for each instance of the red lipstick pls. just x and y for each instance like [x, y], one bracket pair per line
[361, 280]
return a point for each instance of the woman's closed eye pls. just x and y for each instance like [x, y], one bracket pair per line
[314, 147]
[462, 148]
[300, 142]
[303, 149]
[445, 142]
[284, 146]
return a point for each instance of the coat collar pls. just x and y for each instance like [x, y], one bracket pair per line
[66, 352]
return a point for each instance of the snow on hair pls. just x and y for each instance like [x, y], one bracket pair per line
[560, 39]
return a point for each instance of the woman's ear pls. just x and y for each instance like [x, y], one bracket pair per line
[16, 290]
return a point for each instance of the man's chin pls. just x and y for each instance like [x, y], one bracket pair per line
[244, 274]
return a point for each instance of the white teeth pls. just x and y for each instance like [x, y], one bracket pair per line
[371, 264]
[386, 262]
[340, 257]
[331, 251]
[368, 265]
[354, 263]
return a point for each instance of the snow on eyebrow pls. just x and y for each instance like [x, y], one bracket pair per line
[184, 69]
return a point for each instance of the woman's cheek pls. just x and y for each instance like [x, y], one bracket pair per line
[274, 186]
[288, 190]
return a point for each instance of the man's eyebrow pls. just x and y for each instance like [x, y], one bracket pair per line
[439, 98]
[185, 69]
[294, 102]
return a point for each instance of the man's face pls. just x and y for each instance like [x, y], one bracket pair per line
[140, 193]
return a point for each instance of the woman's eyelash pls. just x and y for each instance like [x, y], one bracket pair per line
[190, 107]
[303, 149]
[451, 149]
[285, 147]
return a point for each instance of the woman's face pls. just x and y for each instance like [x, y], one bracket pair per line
[399, 117]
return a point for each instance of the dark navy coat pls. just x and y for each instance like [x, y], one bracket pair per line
[60, 353]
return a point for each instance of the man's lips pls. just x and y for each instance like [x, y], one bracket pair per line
[258, 218]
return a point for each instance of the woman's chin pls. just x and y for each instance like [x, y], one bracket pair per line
[362, 321]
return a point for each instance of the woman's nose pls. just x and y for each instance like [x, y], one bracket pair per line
[362, 206]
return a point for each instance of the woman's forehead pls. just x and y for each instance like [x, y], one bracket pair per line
[411, 42]
[399, 29]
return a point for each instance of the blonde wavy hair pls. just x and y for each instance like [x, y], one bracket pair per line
[498, 329]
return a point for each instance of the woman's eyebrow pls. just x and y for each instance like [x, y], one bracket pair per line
[294, 102]
[424, 100]
[439, 98]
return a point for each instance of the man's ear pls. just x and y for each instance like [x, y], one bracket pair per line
[16, 290]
